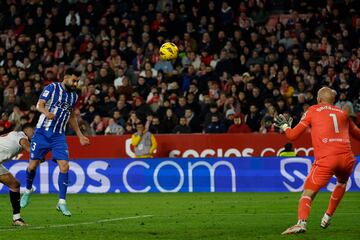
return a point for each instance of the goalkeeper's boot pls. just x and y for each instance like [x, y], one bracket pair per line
[300, 227]
[325, 221]
[25, 199]
[61, 207]
[19, 223]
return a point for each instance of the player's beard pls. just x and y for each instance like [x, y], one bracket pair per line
[70, 88]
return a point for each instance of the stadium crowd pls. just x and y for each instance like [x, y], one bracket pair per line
[234, 73]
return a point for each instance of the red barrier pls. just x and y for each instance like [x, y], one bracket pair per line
[194, 145]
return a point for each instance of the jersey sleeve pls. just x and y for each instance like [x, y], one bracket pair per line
[46, 93]
[305, 122]
[354, 130]
[306, 118]
[294, 133]
[18, 136]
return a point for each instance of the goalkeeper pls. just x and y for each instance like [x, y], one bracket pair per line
[330, 129]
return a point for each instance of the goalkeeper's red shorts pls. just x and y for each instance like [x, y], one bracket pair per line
[324, 168]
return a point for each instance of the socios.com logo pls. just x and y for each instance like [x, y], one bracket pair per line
[295, 170]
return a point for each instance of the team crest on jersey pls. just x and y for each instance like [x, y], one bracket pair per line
[45, 93]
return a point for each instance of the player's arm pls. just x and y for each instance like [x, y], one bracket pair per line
[153, 144]
[40, 106]
[75, 126]
[44, 97]
[354, 130]
[135, 139]
[25, 144]
[294, 133]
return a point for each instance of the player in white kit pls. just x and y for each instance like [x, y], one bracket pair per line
[11, 145]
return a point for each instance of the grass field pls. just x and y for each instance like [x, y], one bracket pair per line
[178, 216]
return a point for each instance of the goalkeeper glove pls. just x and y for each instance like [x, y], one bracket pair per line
[283, 123]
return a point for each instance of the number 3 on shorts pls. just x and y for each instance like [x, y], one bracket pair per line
[33, 146]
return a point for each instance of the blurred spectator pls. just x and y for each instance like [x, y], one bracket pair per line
[5, 124]
[288, 151]
[344, 103]
[215, 125]
[239, 125]
[182, 127]
[98, 125]
[168, 122]
[113, 128]
[15, 118]
[154, 126]
[192, 121]
[253, 119]
[28, 99]
[144, 142]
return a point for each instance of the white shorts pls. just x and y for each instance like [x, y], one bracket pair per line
[3, 170]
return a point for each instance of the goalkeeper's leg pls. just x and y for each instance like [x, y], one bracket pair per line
[317, 178]
[304, 208]
[334, 202]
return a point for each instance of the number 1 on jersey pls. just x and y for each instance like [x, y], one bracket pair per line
[336, 125]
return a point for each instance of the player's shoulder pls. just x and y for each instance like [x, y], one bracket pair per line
[17, 135]
[20, 134]
[52, 85]
[311, 109]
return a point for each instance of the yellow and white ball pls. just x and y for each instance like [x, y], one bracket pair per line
[168, 51]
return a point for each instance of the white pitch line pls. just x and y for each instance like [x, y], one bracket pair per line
[248, 214]
[75, 224]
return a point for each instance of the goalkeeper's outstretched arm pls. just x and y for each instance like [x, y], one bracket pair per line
[285, 125]
[294, 133]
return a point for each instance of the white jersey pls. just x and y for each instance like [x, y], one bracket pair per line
[10, 145]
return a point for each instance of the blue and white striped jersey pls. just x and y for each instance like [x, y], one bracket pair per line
[60, 102]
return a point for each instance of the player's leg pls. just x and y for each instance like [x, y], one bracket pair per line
[334, 201]
[338, 193]
[39, 148]
[63, 181]
[317, 178]
[14, 191]
[30, 175]
[61, 154]
[305, 203]
[304, 208]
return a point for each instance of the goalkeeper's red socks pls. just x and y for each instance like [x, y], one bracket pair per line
[335, 198]
[304, 208]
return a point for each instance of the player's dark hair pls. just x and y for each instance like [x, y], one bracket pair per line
[26, 125]
[72, 71]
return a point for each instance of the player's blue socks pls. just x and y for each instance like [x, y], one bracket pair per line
[30, 175]
[63, 184]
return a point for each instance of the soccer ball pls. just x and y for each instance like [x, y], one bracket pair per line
[168, 51]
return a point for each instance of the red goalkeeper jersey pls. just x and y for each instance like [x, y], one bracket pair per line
[330, 130]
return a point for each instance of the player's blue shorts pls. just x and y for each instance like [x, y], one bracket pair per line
[46, 141]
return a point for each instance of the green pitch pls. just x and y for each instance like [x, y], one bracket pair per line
[178, 216]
